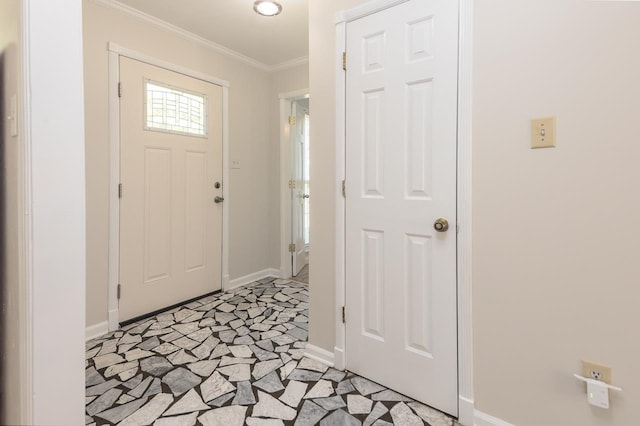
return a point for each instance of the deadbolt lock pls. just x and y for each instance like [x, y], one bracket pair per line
[441, 225]
[217, 185]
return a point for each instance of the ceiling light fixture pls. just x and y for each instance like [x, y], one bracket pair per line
[267, 7]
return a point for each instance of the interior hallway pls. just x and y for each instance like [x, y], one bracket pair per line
[232, 359]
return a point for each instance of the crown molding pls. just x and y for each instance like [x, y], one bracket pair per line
[187, 35]
[303, 60]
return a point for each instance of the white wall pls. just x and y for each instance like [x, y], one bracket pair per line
[556, 231]
[251, 187]
[55, 212]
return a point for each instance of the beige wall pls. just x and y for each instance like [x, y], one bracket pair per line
[556, 232]
[322, 50]
[10, 217]
[254, 140]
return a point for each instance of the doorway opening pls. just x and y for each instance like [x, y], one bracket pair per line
[295, 185]
[299, 133]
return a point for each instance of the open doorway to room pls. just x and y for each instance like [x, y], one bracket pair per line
[295, 185]
[300, 197]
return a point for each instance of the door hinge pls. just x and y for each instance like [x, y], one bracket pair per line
[292, 248]
[292, 184]
[292, 120]
[119, 290]
[344, 61]
[344, 188]
[119, 89]
[344, 315]
[119, 190]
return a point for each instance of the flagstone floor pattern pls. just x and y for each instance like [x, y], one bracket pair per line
[235, 358]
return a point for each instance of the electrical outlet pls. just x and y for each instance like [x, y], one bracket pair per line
[600, 372]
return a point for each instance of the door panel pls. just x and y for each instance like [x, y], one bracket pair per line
[195, 210]
[170, 227]
[401, 109]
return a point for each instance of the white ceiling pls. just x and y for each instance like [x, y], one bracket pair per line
[234, 25]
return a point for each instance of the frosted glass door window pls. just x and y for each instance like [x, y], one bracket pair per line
[170, 109]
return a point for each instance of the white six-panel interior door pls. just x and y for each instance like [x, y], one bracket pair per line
[401, 120]
[170, 226]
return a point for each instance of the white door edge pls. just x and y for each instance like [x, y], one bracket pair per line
[115, 52]
[285, 164]
[464, 284]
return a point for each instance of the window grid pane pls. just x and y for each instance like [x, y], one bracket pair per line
[170, 109]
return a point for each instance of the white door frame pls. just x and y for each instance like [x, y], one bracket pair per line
[285, 175]
[115, 52]
[465, 81]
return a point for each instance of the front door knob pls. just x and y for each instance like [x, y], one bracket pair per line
[441, 225]
[218, 200]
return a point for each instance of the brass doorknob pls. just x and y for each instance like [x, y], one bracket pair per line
[441, 225]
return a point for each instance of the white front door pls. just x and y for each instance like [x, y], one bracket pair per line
[401, 113]
[298, 191]
[171, 165]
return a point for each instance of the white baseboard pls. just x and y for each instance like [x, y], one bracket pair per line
[248, 279]
[319, 354]
[483, 419]
[97, 330]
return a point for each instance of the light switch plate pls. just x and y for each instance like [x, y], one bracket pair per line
[543, 132]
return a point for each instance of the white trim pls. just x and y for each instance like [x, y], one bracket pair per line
[369, 8]
[113, 321]
[319, 354]
[465, 81]
[115, 51]
[285, 175]
[340, 255]
[138, 56]
[194, 38]
[465, 411]
[114, 201]
[225, 184]
[303, 60]
[97, 330]
[250, 278]
[464, 200]
[483, 419]
[54, 213]
[26, 295]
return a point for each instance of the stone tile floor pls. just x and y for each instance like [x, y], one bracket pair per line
[236, 358]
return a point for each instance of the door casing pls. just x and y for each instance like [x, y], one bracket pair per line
[115, 52]
[463, 196]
